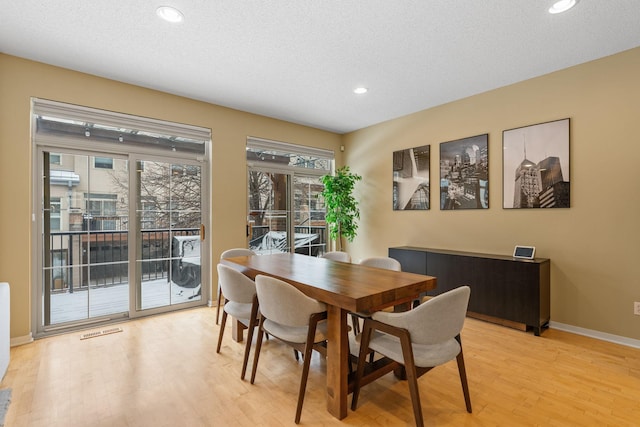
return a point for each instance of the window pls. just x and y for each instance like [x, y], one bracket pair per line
[112, 190]
[185, 170]
[54, 159]
[281, 154]
[103, 162]
[284, 188]
[149, 210]
[55, 213]
[59, 273]
[101, 211]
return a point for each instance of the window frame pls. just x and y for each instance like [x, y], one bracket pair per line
[100, 162]
[197, 152]
[274, 163]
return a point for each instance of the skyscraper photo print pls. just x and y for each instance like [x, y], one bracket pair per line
[536, 166]
[464, 173]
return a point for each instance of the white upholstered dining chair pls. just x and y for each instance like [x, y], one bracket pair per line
[241, 303]
[229, 253]
[387, 263]
[293, 318]
[337, 256]
[420, 339]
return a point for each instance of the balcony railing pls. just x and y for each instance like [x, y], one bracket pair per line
[100, 258]
[309, 239]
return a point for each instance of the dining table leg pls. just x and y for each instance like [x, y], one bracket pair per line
[236, 330]
[337, 361]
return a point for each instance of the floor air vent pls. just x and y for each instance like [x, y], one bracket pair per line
[94, 334]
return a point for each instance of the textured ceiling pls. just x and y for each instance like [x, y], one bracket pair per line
[299, 60]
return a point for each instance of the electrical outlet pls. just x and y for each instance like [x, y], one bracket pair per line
[636, 308]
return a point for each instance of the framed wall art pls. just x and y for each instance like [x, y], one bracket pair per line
[411, 178]
[536, 166]
[464, 173]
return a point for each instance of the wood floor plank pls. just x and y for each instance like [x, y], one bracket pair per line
[164, 371]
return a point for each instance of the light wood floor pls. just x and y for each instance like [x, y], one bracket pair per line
[163, 371]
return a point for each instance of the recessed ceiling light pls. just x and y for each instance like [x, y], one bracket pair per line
[360, 90]
[170, 14]
[562, 6]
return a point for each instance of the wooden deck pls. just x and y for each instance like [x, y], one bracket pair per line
[109, 300]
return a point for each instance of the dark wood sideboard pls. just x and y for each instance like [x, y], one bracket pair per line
[516, 291]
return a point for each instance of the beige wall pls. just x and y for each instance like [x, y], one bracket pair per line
[594, 246]
[21, 79]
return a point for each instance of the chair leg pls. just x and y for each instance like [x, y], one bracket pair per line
[223, 323]
[412, 379]
[303, 380]
[364, 349]
[219, 303]
[356, 324]
[256, 352]
[308, 348]
[463, 378]
[251, 327]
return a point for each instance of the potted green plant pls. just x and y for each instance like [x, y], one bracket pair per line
[342, 207]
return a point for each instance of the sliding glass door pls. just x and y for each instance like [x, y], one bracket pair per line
[119, 217]
[88, 270]
[308, 215]
[269, 211]
[84, 237]
[286, 212]
[168, 233]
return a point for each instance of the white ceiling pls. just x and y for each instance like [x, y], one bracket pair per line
[299, 60]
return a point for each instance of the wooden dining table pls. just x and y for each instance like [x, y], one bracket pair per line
[345, 288]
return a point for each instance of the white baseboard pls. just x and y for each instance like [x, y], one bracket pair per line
[616, 339]
[26, 339]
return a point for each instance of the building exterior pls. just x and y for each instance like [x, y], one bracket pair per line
[540, 185]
